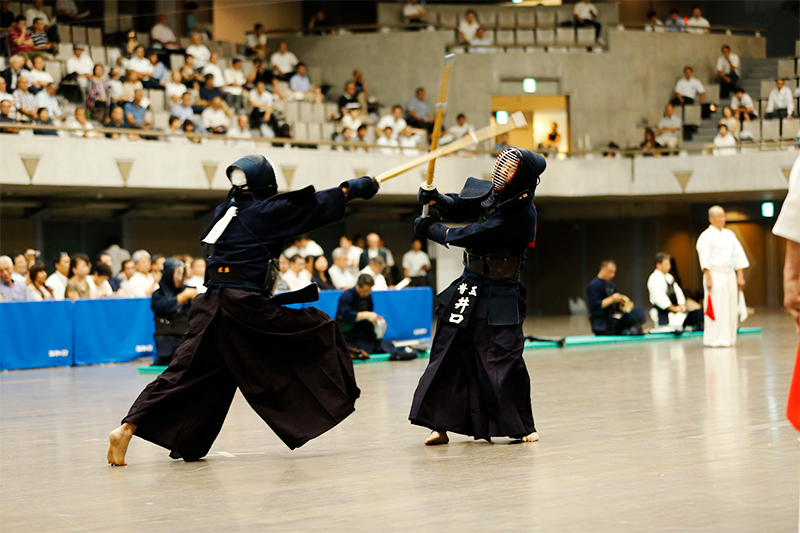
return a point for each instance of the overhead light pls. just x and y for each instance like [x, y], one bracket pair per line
[516, 1]
[529, 85]
[767, 210]
[501, 117]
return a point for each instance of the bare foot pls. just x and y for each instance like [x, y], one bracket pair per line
[437, 437]
[533, 437]
[118, 444]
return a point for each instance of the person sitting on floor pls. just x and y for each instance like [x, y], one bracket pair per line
[610, 312]
[171, 304]
[669, 302]
[357, 319]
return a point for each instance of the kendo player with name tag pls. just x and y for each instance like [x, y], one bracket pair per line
[476, 382]
[292, 365]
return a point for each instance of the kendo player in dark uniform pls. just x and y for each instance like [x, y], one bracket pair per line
[476, 382]
[292, 365]
[171, 304]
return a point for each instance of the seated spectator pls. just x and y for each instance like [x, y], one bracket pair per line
[209, 91]
[131, 43]
[350, 96]
[649, 144]
[4, 94]
[143, 282]
[388, 143]
[6, 16]
[742, 105]
[214, 118]
[675, 23]
[416, 264]
[459, 129]
[261, 115]
[410, 140]
[118, 121]
[550, 144]
[781, 101]
[413, 13]
[727, 71]
[259, 73]
[98, 95]
[25, 101]
[610, 312]
[468, 27]
[174, 90]
[375, 270]
[345, 136]
[283, 62]
[724, 142]
[190, 76]
[176, 128]
[585, 14]
[171, 304]
[37, 76]
[361, 87]
[41, 42]
[669, 302]
[654, 23]
[67, 10]
[185, 110]
[730, 121]
[353, 253]
[139, 64]
[301, 86]
[77, 286]
[297, 276]
[47, 99]
[341, 276]
[162, 35]
[212, 68]
[356, 317]
[130, 87]
[157, 264]
[669, 128]
[135, 113]
[158, 78]
[43, 117]
[304, 247]
[10, 290]
[319, 273]
[198, 278]
[481, 43]
[189, 127]
[687, 88]
[352, 117]
[198, 51]
[78, 120]
[38, 277]
[418, 114]
[361, 137]
[20, 40]
[697, 24]
[36, 10]
[57, 281]
[319, 22]
[240, 135]
[235, 80]
[126, 274]
[5, 116]
[502, 144]
[104, 258]
[116, 87]
[99, 286]
[257, 42]
[20, 268]
[16, 70]
[395, 121]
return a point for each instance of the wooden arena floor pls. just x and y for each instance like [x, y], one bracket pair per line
[662, 436]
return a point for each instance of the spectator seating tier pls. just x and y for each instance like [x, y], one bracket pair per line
[506, 20]
[692, 115]
[95, 36]
[770, 130]
[754, 127]
[545, 36]
[79, 34]
[789, 128]
[545, 19]
[565, 36]
[525, 37]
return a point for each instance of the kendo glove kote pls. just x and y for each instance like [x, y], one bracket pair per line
[425, 196]
[364, 187]
[426, 228]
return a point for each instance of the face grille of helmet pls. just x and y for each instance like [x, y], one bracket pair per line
[504, 169]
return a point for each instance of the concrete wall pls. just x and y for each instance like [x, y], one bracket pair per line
[232, 20]
[609, 92]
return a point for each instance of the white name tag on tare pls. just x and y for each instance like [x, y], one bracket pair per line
[220, 226]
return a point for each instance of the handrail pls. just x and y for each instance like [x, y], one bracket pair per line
[353, 27]
[740, 29]
[625, 152]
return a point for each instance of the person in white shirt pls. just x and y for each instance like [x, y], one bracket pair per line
[727, 71]
[198, 278]
[214, 118]
[81, 65]
[395, 121]
[304, 247]
[669, 302]
[788, 227]
[585, 14]
[162, 34]
[375, 270]
[214, 69]
[388, 142]
[413, 12]
[481, 43]
[468, 27]
[742, 105]
[353, 254]
[669, 128]
[409, 140]
[257, 42]
[139, 64]
[34, 12]
[37, 76]
[143, 283]
[240, 135]
[78, 120]
[47, 99]
[340, 274]
[261, 115]
[723, 261]
[416, 264]
[781, 101]
[57, 281]
[724, 142]
[283, 62]
[458, 130]
[176, 127]
[687, 89]
[174, 89]
[352, 119]
[198, 51]
[235, 81]
[654, 23]
[98, 284]
[697, 24]
[297, 276]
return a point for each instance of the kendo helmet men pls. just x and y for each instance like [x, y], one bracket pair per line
[255, 174]
[515, 170]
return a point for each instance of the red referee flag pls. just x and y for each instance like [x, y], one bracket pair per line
[793, 407]
[709, 309]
